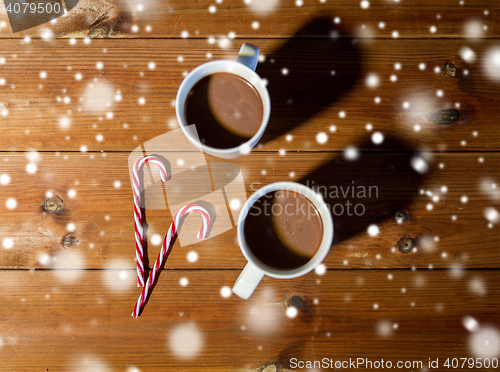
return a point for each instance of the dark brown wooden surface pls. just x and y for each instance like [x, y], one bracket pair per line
[104, 227]
[317, 97]
[69, 128]
[276, 18]
[81, 320]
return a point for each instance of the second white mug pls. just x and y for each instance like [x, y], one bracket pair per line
[255, 269]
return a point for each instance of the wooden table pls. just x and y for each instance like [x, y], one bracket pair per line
[421, 73]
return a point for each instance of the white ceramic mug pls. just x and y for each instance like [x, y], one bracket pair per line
[244, 67]
[255, 270]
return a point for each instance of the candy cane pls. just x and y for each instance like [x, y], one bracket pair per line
[165, 247]
[139, 238]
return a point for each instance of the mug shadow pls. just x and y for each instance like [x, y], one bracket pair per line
[328, 67]
[365, 188]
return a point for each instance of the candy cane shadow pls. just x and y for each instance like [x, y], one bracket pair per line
[188, 187]
[307, 74]
[213, 186]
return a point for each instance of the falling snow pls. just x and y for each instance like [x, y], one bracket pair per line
[321, 138]
[485, 342]
[118, 275]
[320, 269]
[291, 312]
[156, 239]
[467, 54]
[384, 328]
[31, 168]
[4, 179]
[491, 64]
[351, 153]
[473, 29]
[235, 204]
[372, 80]
[192, 256]
[492, 215]
[373, 230]
[68, 265]
[419, 164]
[377, 138]
[225, 292]
[7, 243]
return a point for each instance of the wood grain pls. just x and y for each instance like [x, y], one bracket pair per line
[76, 113]
[53, 323]
[98, 217]
[277, 19]
[102, 111]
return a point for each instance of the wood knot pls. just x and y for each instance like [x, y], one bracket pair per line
[450, 69]
[54, 205]
[297, 302]
[68, 240]
[270, 368]
[406, 245]
[444, 116]
[399, 216]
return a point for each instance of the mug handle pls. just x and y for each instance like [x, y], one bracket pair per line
[249, 55]
[248, 280]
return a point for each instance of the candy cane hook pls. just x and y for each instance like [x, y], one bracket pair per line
[172, 231]
[139, 238]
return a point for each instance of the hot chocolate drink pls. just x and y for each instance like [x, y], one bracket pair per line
[226, 109]
[283, 229]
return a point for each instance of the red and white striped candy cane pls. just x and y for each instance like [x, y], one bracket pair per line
[166, 246]
[139, 238]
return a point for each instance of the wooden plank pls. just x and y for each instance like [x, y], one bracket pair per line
[160, 19]
[97, 217]
[60, 325]
[103, 110]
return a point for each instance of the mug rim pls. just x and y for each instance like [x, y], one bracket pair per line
[245, 147]
[326, 240]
